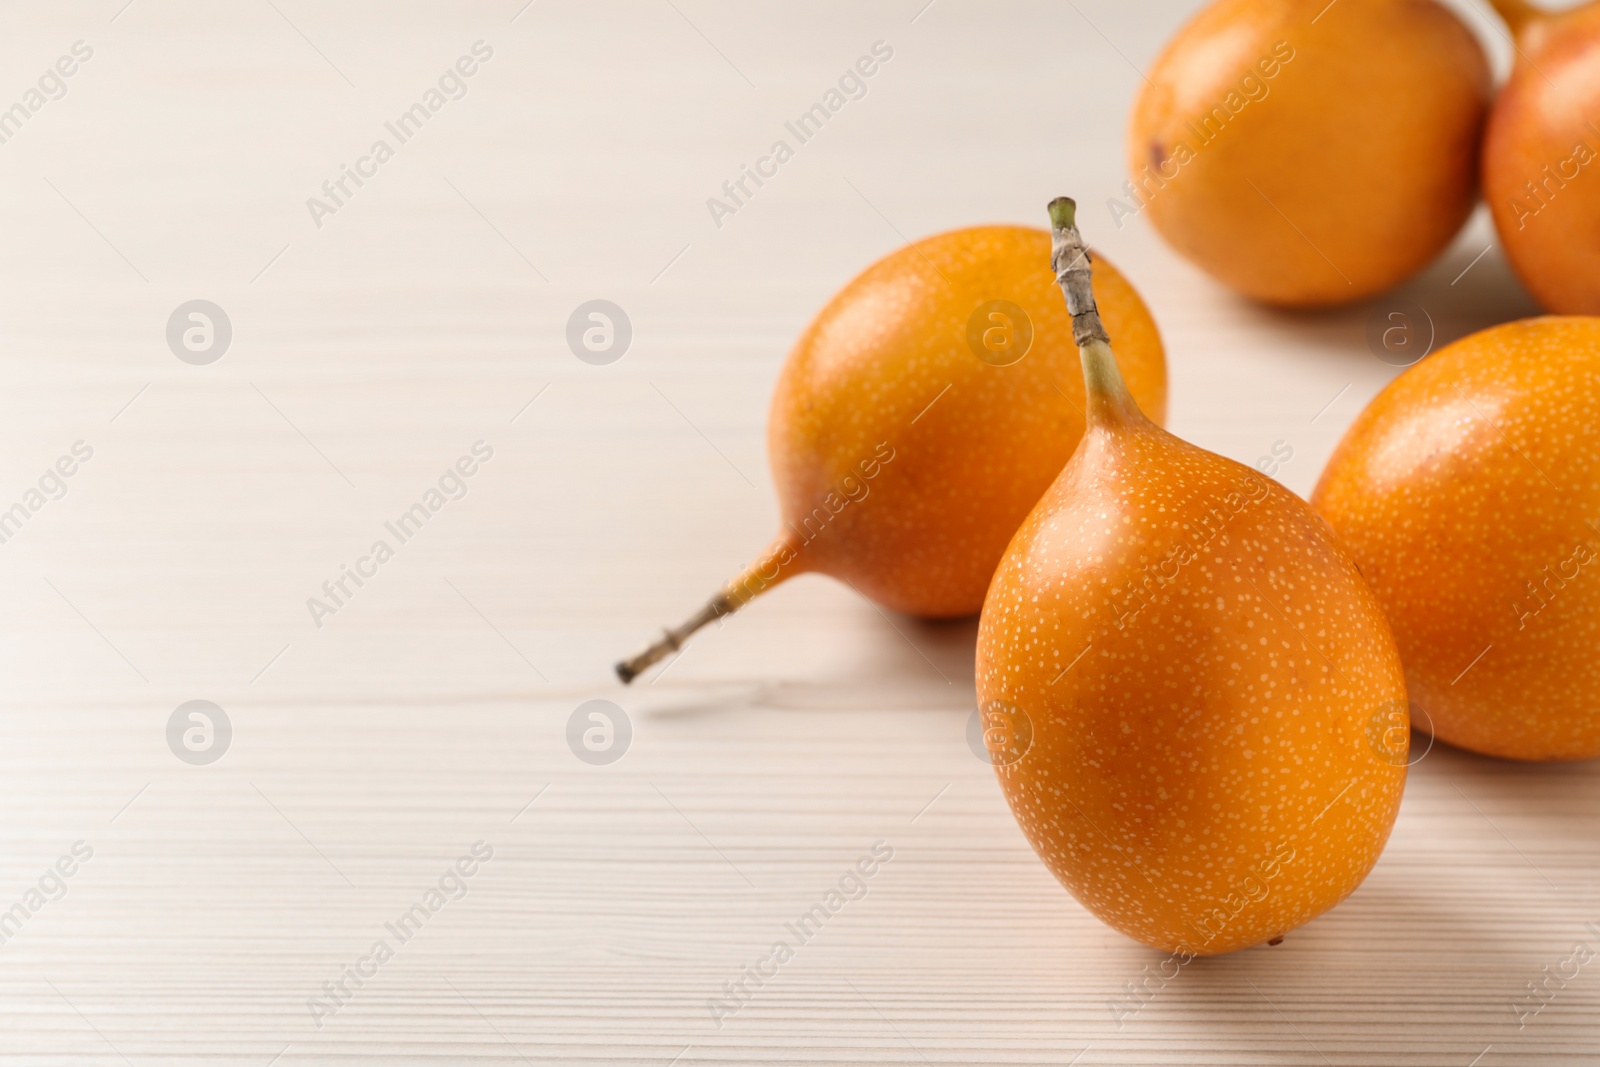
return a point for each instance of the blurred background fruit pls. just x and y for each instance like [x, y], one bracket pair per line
[1541, 152]
[1307, 153]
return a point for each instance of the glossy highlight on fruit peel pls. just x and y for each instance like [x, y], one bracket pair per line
[1306, 153]
[1196, 710]
[921, 414]
[1541, 156]
[1469, 493]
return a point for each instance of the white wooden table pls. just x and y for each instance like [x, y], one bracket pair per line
[430, 711]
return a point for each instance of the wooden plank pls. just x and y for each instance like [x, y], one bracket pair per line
[431, 710]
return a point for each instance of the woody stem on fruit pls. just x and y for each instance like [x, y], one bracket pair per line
[1106, 394]
[672, 640]
[780, 561]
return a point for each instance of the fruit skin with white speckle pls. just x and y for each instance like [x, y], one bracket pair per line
[1469, 493]
[1216, 704]
[874, 366]
[1539, 152]
[905, 447]
[1308, 153]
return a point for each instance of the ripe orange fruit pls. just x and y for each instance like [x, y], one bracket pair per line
[1541, 156]
[1308, 153]
[1469, 493]
[919, 417]
[1195, 706]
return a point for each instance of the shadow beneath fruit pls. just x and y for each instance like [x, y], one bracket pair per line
[1470, 287]
[867, 693]
[934, 673]
[852, 692]
[915, 664]
[1551, 811]
[950, 645]
[1416, 949]
[709, 700]
[1486, 854]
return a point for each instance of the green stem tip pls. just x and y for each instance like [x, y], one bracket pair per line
[1063, 212]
